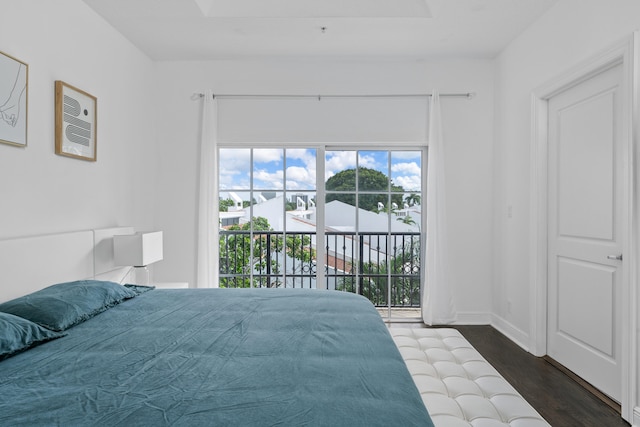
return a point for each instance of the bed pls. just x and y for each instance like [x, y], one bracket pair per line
[204, 357]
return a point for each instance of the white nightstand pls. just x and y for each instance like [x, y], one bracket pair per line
[171, 285]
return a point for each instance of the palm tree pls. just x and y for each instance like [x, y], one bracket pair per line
[407, 220]
[413, 199]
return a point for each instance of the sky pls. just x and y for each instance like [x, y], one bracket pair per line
[270, 166]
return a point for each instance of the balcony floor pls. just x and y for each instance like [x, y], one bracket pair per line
[401, 315]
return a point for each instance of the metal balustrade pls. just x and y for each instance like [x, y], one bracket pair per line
[383, 267]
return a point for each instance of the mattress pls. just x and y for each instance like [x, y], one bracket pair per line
[223, 357]
[458, 386]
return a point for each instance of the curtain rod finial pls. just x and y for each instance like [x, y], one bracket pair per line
[471, 95]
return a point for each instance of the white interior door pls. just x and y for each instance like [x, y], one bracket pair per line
[585, 239]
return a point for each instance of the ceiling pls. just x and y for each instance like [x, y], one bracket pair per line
[212, 29]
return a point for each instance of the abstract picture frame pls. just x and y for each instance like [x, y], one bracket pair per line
[76, 122]
[14, 94]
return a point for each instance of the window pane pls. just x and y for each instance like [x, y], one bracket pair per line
[268, 169]
[373, 267]
[234, 167]
[406, 171]
[234, 208]
[339, 171]
[269, 208]
[341, 260]
[301, 169]
[300, 259]
[408, 217]
[373, 170]
[339, 214]
[373, 215]
[301, 206]
[300, 241]
[268, 260]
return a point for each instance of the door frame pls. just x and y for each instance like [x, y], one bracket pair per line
[623, 53]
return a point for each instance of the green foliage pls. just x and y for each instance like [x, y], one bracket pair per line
[374, 278]
[299, 247]
[225, 204]
[406, 220]
[243, 252]
[368, 180]
[291, 206]
[413, 199]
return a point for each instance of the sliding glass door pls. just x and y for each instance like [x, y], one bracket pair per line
[373, 218]
[323, 217]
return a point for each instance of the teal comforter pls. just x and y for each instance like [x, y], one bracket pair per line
[217, 357]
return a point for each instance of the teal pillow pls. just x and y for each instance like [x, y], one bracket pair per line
[139, 289]
[18, 334]
[61, 306]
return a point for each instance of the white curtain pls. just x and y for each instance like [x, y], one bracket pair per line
[208, 249]
[437, 299]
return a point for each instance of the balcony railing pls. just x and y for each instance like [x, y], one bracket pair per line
[384, 267]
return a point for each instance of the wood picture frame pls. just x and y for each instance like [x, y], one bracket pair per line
[14, 94]
[76, 118]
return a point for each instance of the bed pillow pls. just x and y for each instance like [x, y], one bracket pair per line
[139, 289]
[61, 306]
[18, 334]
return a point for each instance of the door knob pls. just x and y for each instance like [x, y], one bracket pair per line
[616, 257]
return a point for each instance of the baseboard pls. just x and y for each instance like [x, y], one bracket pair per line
[473, 318]
[516, 335]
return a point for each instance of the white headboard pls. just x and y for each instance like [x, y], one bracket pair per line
[31, 263]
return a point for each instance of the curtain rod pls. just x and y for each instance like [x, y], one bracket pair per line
[468, 95]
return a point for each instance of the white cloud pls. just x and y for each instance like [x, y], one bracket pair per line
[368, 161]
[231, 179]
[267, 155]
[409, 182]
[405, 155]
[235, 154]
[303, 154]
[409, 175]
[268, 180]
[301, 178]
[338, 161]
[234, 168]
[408, 168]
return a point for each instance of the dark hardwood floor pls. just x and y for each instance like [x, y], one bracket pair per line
[558, 398]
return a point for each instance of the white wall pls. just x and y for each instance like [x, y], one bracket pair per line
[41, 192]
[468, 127]
[569, 33]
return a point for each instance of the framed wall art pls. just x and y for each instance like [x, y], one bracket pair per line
[76, 122]
[14, 75]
